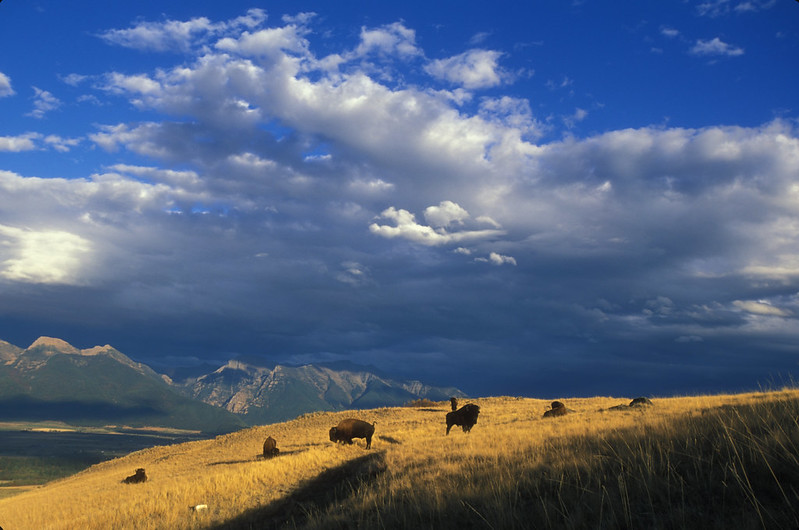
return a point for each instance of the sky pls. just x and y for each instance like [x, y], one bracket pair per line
[547, 199]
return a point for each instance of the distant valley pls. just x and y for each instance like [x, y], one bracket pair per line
[53, 380]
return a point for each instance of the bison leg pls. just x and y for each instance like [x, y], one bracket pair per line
[449, 426]
[369, 441]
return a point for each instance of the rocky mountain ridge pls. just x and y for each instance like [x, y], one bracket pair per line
[282, 392]
[51, 372]
[43, 348]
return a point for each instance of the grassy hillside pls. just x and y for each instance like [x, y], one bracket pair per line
[728, 461]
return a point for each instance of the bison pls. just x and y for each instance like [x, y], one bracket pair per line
[558, 409]
[637, 403]
[454, 402]
[136, 478]
[270, 447]
[465, 417]
[351, 428]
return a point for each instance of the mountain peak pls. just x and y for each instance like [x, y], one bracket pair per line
[54, 345]
[8, 352]
[235, 364]
[97, 350]
[59, 345]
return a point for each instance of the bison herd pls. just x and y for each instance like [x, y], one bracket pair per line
[347, 429]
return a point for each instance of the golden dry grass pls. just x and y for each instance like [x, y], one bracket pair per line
[673, 465]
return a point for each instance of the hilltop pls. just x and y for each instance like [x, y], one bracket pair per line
[684, 462]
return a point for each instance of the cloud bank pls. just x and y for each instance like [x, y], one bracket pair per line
[275, 201]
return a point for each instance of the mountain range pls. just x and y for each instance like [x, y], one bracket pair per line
[53, 380]
[263, 395]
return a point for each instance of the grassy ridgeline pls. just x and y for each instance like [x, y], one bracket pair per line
[689, 462]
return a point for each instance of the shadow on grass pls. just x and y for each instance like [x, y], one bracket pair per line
[733, 466]
[256, 458]
[316, 495]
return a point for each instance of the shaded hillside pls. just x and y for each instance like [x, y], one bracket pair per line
[51, 380]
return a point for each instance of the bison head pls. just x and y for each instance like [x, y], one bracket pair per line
[333, 434]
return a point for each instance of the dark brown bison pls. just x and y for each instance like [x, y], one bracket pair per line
[270, 447]
[351, 428]
[558, 409]
[454, 402]
[136, 478]
[465, 417]
[637, 403]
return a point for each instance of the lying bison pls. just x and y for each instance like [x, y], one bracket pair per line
[270, 447]
[138, 477]
[637, 403]
[465, 417]
[558, 409]
[351, 428]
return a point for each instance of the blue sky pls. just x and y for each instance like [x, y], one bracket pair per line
[565, 198]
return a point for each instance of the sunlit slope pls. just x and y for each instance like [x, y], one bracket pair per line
[688, 462]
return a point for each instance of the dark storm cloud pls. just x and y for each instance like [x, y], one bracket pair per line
[305, 208]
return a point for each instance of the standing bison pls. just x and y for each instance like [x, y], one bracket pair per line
[270, 447]
[351, 428]
[466, 417]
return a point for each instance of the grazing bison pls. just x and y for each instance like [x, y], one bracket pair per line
[136, 478]
[270, 448]
[465, 417]
[454, 402]
[351, 428]
[558, 409]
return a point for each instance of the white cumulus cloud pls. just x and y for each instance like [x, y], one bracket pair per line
[5, 86]
[500, 259]
[15, 144]
[716, 46]
[406, 227]
[473, 69]
[43, 102]
[760, 308]
[391, 39]
[43, 256]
